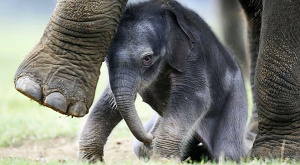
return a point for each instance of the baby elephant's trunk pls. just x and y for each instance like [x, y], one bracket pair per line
[124, 90]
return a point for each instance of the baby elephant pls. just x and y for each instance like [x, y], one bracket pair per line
[167, 54]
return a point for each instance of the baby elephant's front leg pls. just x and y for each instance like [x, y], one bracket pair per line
[101, 121]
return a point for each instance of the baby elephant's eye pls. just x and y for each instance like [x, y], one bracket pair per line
[147, 61]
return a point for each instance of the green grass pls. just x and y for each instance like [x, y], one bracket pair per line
[13, 161]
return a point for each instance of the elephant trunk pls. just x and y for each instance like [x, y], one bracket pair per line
[124, 90]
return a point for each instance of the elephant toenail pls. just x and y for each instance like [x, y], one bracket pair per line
[57, 102]
[79, 109]
[29, 88]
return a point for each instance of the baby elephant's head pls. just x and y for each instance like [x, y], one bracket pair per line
[151, 36]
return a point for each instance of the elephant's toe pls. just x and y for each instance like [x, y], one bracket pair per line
[57, 102]
[30, 88]
[78, 109]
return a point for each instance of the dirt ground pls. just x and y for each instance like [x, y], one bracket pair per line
[66, 149]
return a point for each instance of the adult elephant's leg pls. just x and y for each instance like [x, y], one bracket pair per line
[62, 70]
[103, 118]
[252, 10]
[277, 81]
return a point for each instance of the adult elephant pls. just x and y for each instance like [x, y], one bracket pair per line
[62, 70]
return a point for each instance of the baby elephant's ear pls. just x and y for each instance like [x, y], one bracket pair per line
[180, 39]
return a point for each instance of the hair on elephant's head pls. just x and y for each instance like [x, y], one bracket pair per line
[144, 44]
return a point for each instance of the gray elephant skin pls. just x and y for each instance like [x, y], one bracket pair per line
[62, 71]
[168, 55]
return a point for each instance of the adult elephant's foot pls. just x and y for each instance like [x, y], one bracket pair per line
[63, 69]
[279, 149]
[59, 79]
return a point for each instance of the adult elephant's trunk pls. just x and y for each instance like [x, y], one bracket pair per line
[124, 90]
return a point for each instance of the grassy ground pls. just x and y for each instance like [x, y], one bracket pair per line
[9, 161]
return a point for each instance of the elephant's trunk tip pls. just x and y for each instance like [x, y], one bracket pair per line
[149, 139]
